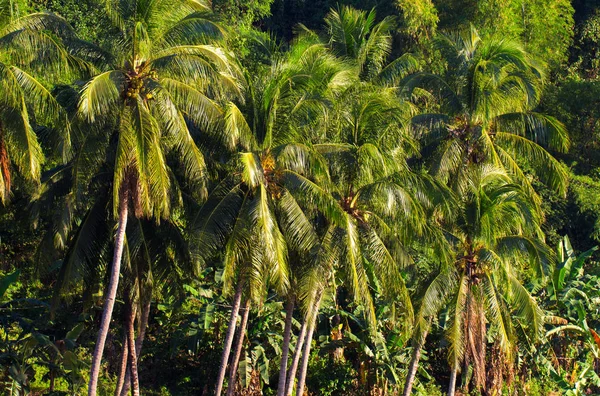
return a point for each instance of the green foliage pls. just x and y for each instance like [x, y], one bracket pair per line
[545, 27]
[419, 18]
[296, 149]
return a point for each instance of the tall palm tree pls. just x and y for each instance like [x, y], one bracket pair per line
[382, 201]
[258, 210]
[31, 53]
[156, 257]
[486, 112]
[496, 234]
[160, 74]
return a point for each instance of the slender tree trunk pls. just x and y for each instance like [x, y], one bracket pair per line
[138, 343]
[123, 367]
[287, 332]
[233, 367]
[414, 364]
[109, 304]
[132, 352]
[452, 385]
[296, 358]
[306, 352]
[229, 338]
[4, 169]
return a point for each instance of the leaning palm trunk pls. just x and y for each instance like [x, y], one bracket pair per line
[414, 364]
[111, 294]
[238, 350]
[229, 338]
[287, 332]
[296, 358]
[306, 353]
[452, 385]
[138, 344]
[132, 353]
[123, 366]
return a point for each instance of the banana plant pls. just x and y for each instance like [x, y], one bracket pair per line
[568, 267]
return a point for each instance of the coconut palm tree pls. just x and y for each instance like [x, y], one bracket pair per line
[485, 112]
[157, 257]
[496, 234]
[31, 53]
[257, 212]
[159, 75]
[355, 35]
[383, 202]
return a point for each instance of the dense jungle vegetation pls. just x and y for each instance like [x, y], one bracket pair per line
[276, 197]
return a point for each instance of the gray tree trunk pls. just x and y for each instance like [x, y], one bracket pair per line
[306, 353]
[233, 367]
[414, 365]
[138, 343]
[287, 332]
[452, 385]
[109, 304]
[229, 337]
[296, 358]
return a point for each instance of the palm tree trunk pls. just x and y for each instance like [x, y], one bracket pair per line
[132, 353]
[138, 343]
[287, 332]
[296, 358]
[229, 337]
[111, 295]
[452, 385]
[414, 364]
[233, 367]
[306, 352]
[123, 367]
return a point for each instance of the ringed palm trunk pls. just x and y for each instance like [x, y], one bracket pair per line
[111, 295]
[229, 337]
[233, 367]
[138, 344]
[452, 385]
[132, 353]
[306, 352]
[296, 358]
[287, 332]
[414, 364]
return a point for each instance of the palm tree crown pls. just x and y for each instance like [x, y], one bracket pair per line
[487, 112]
[162, 73]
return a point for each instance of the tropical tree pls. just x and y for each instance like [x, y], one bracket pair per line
[257, 211]
[483, 111]
[32, 52]
[157, 258]
[355, 35]
[383, 202]
[496, 235]
[157, 77]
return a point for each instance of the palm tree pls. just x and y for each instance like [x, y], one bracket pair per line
[486, 112]
[382, 201]
[159, 75]
[496, 234]
[29, 55]
[356, 35]
[258, 210]
[156, 256]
